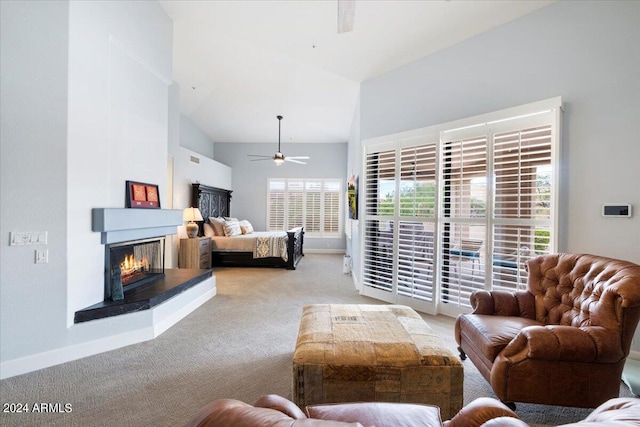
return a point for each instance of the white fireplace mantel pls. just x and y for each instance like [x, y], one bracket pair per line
[120, 225]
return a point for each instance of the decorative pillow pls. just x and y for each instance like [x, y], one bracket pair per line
[218, 225]
[232, 228]
[246, 227]
[208, 230]
[230, 218]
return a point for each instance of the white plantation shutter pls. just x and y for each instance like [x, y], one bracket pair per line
[464, 173]
[400, 214]
[464, 213]
[313, 192]
[379, 202]
[295, 203]
[331, 209]
[315, 204]
[418, 181]
[378, 256]
[275, 205]
[380, 183]
[522, 203]
[417, 201]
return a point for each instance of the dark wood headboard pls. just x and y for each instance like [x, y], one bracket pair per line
[212, 201]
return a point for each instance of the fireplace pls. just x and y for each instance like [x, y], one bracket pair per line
[135, 241]
[140, 262]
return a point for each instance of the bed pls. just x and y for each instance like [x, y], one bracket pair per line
[244, 250]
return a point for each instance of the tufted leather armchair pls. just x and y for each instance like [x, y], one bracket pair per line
[564, 340]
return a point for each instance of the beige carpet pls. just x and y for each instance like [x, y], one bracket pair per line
[237, 345]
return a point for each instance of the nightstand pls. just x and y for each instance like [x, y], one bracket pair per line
[195, 253]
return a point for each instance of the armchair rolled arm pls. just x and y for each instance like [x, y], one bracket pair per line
[478, 412]
[279, 403]
[503, 303]
[565, 343]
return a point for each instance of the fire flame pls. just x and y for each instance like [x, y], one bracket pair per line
[130, 265]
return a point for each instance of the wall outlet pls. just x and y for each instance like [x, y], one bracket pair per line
[42, 256]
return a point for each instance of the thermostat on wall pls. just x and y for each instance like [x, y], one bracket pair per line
[618, 210]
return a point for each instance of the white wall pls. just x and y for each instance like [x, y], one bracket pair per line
[354, 160]
[119, 73]
[249, 198]
[194, 139]
[186, 172]
[188, 166]
[85, 103]
[33, 163]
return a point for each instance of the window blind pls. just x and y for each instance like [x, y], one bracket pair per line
[446, 218]
[315, 204]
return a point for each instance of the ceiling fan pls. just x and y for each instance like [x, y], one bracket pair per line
[346, 15]
[279, 158]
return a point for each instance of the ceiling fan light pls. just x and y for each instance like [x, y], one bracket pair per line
[278, 159]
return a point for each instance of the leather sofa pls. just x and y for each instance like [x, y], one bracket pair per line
[276, 411]
[562, 341]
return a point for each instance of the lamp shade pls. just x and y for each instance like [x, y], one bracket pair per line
[191, 214]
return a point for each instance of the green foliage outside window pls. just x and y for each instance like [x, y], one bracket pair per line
[418, 200]
[542, 241]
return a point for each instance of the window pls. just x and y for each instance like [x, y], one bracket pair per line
[459, 207]
[315, 204]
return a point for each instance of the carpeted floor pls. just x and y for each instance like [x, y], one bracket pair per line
[237, 345]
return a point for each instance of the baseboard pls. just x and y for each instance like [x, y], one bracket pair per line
[355, 281]
[324, 251]
[154, 322]
[46, 359]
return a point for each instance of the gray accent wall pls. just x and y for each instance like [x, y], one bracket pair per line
[33, 167]
[584, 51]
[250, 178]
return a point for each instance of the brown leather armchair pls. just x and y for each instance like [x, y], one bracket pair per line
[276, 411]
[564, 340]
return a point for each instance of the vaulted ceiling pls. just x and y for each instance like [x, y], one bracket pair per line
[239, 64]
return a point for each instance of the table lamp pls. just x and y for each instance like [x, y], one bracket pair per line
[191, 215]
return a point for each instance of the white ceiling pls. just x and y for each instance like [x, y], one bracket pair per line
[239, 64]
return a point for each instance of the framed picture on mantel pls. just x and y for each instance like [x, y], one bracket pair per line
[142, 195]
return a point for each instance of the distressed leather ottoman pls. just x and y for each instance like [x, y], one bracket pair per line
[367, 353]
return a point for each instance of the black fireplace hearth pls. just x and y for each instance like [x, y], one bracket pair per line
[147, 296]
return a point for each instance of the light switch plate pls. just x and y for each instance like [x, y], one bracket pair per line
[21, 238]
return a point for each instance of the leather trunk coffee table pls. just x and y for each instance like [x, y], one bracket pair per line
[373, 353]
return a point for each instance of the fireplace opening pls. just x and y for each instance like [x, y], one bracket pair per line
[140, 262]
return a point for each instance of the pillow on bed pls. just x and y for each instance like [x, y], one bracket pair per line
[218, 225]
[232, 228]
[246, 227]
[208, 230]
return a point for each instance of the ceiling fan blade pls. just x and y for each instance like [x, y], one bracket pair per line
[259, 160]
[289, 159]
[260, 155]
[299, 157]
[346, 15]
